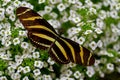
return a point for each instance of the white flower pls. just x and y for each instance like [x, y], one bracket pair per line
[15, 76]
[48, 9]
[90, 71]
[2, 11]
[93, 45]
[26, 69]
[22, 33]
[81, 40]
[50, 61]
[2, 17]
[25, 78]
[114, 14]
[7, 43]
[76, 19]
[72, 1]
[24, 45]
[9, 10]
[100, 23]
[66, 78]
[16, 3]
[12, 17]
[54, 15]
[110, 66]
[97, 62]
[61, 7]
[100, 44]
[36, 72]
[47, 77]
[102, 14]
[77, 74]
[36, 54]
[98, 31]
[38, 64]
[102, 74]
[41, 1]
[16, 41]
[117, 6]
[3, 78]
[92, 11]
[5, 2]
[20, 69]
[88, 32]
[68, 72]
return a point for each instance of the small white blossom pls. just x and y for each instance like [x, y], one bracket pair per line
[26, 69]
[76, 19]
[90, 71]
[81, 40]
[9, 10]
[99, 43]
[41, 1]
[48, 9]
[61, 7]
[12, 17]
[114, 14]
[72, 1]
[98, 31]
[54, 15]
[77, 74]
[24, 45]
[16, 3]
[102, 74]
[22, 33]
[50, 61]
[16, 41]
[36, 72]
[100, 23]
[20, 69]
[15, 76]
[93, 45]
[36, 54]
[3, 78]
[25, 78]
[88, 32]
[47, 77]
[38, 64]
[2, 11]
[110, 66]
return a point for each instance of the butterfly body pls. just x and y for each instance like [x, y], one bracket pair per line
[43, 36]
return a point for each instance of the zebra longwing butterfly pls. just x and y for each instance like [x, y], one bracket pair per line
[43, 36]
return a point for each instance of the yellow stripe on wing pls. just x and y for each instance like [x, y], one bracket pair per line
[53, 51]
[81, 54]
[52, 39]
[89, 59]
[42, 27]
[71, 48]
[23, 12]
[32, 18]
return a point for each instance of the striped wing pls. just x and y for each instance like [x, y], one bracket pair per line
[72, 51]
[43, 36]
[40, 32]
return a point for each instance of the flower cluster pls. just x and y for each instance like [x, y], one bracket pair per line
[93, 24]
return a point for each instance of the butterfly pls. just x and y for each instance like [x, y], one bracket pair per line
[43, 36]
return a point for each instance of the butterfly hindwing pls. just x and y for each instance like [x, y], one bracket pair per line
[43, 36]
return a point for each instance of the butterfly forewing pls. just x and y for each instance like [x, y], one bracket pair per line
[43, 36]
[36, 27]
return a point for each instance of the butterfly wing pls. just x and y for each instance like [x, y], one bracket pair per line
[40, 32]
[76, 53]
[43, 36]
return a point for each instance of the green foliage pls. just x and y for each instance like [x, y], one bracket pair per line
[3, 65]
[28, 62]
